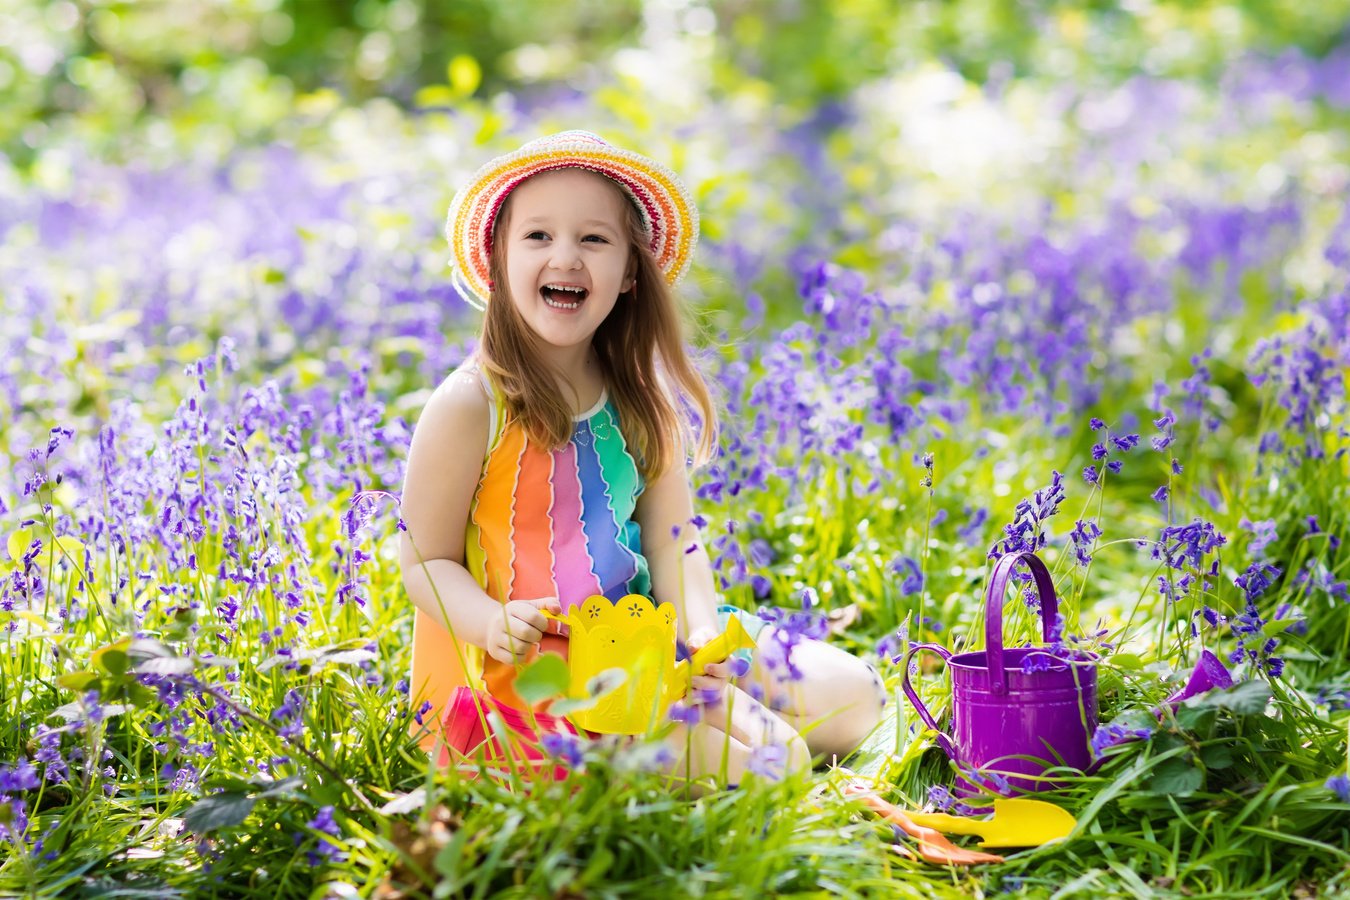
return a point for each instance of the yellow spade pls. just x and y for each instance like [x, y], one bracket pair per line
[639, 638]
[1016, 822]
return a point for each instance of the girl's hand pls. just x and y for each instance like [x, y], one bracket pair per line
[520, 626]
[710, 686]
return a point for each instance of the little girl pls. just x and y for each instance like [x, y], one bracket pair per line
[551, 466]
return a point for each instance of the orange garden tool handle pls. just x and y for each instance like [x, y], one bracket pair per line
[933, 847]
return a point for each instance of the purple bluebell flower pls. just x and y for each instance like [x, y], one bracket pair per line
[684, 713]
[1340, 786]
[768, 761]
[1263, 535]
[565, 748]
[1026, 531]
[1115, 733]
[913, 577]
[328, 848]
[1083, 536]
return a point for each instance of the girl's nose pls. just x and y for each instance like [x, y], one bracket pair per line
[566, 255]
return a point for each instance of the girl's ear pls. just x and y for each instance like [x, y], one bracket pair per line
[630, 275]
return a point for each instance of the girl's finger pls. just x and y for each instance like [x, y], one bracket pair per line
[718, 670]
[699, 638]
[706, 683]
[524, 631]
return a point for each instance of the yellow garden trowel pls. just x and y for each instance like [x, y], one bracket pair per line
[1015, 823]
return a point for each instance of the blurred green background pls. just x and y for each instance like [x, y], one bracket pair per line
[98, 71]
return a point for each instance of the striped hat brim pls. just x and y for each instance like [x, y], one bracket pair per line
[663, 202]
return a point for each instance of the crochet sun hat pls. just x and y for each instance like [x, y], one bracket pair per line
[665, 205]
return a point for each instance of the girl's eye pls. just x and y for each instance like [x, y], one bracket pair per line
[536, 236]
[595, 238]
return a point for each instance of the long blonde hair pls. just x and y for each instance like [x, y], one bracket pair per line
[640, 350]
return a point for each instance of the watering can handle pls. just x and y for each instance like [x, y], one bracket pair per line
[993, 611]
[943, 740]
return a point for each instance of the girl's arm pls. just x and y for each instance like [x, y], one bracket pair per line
[444, 465]
[679, 575]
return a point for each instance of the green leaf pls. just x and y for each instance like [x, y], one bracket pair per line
[1196, 718]
[1128, 661]
[78, 681]
[113, 658]
[1217, 756]
[19, 542]
[1168, 741]
[546, 677]
[1176, 777]
[1278, 626]
[225, 810]
[286, 787]
[1245, 699]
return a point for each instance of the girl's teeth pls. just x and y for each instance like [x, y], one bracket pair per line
[562, 298]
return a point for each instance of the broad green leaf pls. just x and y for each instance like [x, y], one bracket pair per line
[285, 787]
[1195, 718]
[225, 810]
[1217, 756]
[113, 658]
[78, 681]
[64, 547]
[1128, 661]
[1245, 699]
[545, 677]
[1176, 777]
[19, 542]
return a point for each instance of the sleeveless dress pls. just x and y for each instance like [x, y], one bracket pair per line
[541, 524]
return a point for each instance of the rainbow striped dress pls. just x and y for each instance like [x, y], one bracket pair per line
[553, 523]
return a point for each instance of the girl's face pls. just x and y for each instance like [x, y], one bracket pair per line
[567, 253]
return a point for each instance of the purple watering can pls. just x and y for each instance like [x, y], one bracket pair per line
[1015, 712]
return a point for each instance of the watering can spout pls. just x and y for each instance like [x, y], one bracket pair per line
[733, 638]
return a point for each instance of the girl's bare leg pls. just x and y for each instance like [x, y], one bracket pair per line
[836, 704]
[722, 744]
